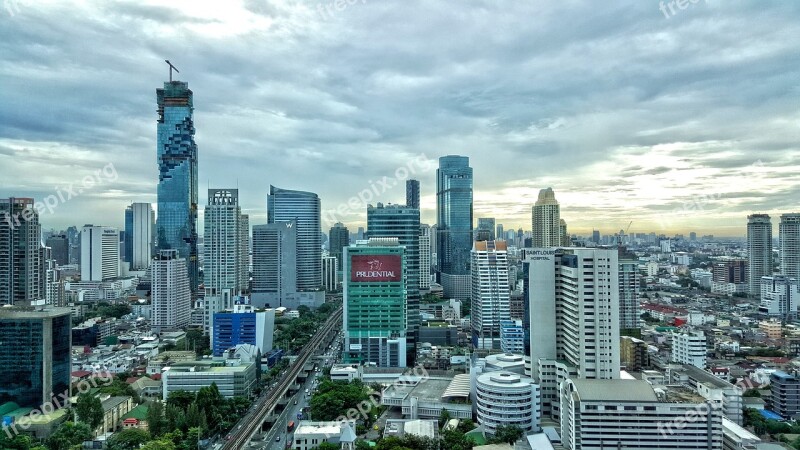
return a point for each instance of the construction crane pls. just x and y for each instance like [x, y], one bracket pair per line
[171, 68]
[629, 227]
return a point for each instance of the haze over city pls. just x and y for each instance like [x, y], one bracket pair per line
[678, 121]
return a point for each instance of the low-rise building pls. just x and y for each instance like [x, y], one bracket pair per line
[608, 414]
[507, 399]
[689, 348]
[772, 328]
[232, 380]
[309, 435]
[425, 398]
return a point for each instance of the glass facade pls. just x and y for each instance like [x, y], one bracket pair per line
[454, 214]
[177, 175]
[284, 205]
[128, 235]
[401, 222]
[232, 329]
[38, 363]
[20, 240]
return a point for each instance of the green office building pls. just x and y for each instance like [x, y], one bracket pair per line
[375, 297]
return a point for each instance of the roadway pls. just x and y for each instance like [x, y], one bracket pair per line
[265, 406]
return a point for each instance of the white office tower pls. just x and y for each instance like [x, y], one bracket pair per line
[779, 297]
[759, 251]
[507, 399]
[139, 235]
[490, 293]
[99, 253]
[274, 262]
[789, 236]
[424, 256]
[170, 295]
[689, 348]
[546, 220]
[226, 239]
[631, 415]
[574, 317]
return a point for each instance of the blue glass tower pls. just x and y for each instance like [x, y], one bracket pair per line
[177, 175]
[284, 205]
[454, 211]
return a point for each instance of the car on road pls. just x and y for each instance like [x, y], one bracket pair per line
[277, 438]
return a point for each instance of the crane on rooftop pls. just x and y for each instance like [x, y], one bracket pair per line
[171, 68]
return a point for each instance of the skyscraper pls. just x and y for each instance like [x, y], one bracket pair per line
[226, 247]
[20, 239]
[330, 277]
[226, 238]
[171, 297]
[139, 234]
[424, 256]
[562, 231]
[546, 220]
[490, 293]
[485, 230]
[274, 262]
[454, 222]
[60, 246]
[35, 362]
[375, 320]
[759, 251]
[789, 236]
[574, 317]
[401, 222]
[499, 233]
[339, 237]
[99, 253]
[629, 295]
[412, 193]
[284, 205]
[176, 226]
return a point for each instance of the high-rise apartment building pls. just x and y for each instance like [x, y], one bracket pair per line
[139, 235]
[338, 238]
[284, 205]
[574, 317]
[546, 220]
[99, 253]
[176, 226]
[629, 314]
[226, 246]
[424, 257]
[789, 236]
[274, 262]
[412, 193]
[566, 241]
[402, 222]
[35, 361]
[375, 317]
[490, 293]
[499, 233]
[689, 348]
[759, 250]
[779, 297]
[454, 224]
[20, 263]
[171, 297]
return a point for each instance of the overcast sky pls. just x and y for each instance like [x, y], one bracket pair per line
[682, 120]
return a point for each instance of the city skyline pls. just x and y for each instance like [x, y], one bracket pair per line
[669, 151]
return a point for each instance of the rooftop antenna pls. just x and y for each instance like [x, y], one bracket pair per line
[171, 68]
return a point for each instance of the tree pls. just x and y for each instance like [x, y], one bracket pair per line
[444, 417]
[751, 393]
[456, 440]
[161, 444]
[181, 399]
[325, 445]
[18, 442]
[156, 422]
[128, 439]
[89, 411]
[508, 434]
[119, 388]
[68, 435]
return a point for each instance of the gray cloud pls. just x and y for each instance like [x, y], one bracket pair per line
[611, 104]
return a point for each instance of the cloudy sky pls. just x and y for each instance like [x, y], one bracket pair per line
[682, 120]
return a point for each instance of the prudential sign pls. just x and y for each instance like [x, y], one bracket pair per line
[372, 268]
